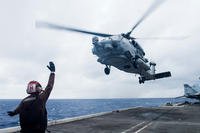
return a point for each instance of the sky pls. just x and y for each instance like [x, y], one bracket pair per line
[25, 50]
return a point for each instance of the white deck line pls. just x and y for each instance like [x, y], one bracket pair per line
[65, 120]
[139, 130]
[130, 129]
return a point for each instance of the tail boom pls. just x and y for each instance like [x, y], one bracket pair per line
[154, 76]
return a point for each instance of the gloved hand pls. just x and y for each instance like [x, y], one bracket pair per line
[51, 67]
[11, 113]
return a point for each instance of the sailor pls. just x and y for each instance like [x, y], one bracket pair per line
[32, 109]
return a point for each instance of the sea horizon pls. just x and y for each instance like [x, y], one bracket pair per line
[68, 108]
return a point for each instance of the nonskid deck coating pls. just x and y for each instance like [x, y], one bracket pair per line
[184, 119]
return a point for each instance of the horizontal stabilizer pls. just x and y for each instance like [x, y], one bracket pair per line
[162, 75]
[155, 76]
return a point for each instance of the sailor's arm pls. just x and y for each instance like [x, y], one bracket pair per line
[49, 87]
[16, 111]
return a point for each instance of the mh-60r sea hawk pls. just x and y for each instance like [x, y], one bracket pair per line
[120, 51]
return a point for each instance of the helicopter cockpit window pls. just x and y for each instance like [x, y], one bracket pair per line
[137, 46]
[134, 43]
[116, 38]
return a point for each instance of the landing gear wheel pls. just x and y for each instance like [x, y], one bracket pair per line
[141, 80]
[107, 71]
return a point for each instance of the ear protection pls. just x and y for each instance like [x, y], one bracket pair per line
[33, 87]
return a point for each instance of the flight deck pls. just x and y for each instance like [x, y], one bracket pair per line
[180, 119]
[165, 119]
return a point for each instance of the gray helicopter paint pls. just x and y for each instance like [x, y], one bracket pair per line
[111, 51]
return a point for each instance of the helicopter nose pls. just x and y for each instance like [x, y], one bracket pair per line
[108, 46]
[114, 44]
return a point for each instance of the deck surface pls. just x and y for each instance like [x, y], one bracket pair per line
[139, 120]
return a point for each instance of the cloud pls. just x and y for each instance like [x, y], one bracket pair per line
[25, 50]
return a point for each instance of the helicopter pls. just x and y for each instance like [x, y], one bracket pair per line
[120, 51]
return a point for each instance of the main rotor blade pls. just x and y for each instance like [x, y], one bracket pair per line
[163, 38]
[40, 24]
[152, 8]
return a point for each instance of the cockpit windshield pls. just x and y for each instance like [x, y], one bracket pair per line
[116, 38]
[136, 45]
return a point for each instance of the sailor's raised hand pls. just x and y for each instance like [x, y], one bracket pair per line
[51, 66]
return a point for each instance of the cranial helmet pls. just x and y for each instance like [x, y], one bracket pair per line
[33, 87]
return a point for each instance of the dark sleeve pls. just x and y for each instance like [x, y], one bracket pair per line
[45, 95]
[19, 108]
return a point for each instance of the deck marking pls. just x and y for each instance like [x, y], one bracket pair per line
[139, 130]
[133, 127]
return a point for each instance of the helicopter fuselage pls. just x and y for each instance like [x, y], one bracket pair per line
[124, 54]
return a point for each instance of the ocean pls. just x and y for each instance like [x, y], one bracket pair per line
[67, 108]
